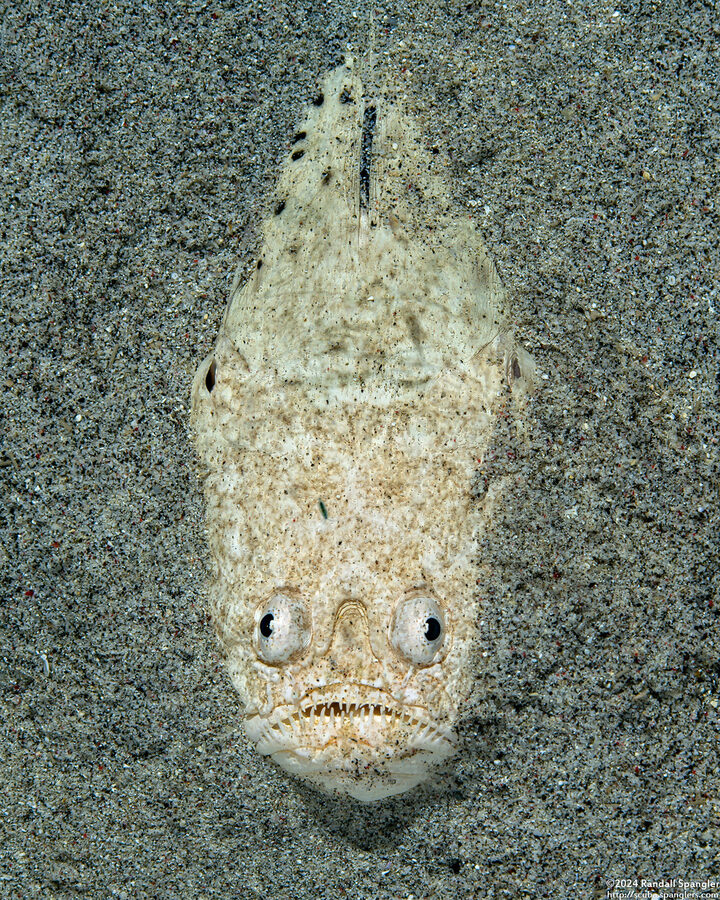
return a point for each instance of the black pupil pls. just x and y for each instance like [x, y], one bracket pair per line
[432, 629]
[266, 625]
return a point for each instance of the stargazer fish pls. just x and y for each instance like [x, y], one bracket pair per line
[341, 420]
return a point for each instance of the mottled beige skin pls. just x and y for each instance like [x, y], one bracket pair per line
[341, 417]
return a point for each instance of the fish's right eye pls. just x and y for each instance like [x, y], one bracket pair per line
[282, 628]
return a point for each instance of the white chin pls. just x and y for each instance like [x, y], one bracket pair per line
[361, 778]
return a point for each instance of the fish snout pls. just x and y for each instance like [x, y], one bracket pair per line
[350, 652]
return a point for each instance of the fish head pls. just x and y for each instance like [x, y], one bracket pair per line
[346, 595]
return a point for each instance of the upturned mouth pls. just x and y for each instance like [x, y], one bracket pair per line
[353, 739]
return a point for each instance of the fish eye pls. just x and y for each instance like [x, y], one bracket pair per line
[282, 628]
[418, 628]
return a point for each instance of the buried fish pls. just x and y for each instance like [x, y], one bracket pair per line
[340, 420]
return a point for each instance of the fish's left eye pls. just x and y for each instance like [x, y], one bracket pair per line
[418, 628]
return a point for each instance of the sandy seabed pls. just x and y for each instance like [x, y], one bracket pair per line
[139, 146]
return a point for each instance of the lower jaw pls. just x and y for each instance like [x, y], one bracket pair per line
[365, 755]
[363, 777]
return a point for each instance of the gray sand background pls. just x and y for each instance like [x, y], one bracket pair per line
[139, 146]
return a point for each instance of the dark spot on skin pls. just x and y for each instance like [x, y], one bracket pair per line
[326, 176]
[319, 100]
[484, 273]
[210, 377]
[455, 865]
[346, 96]
[368, 132]
[435, 151]
[280, 207]
[300, 136]
[297, 155]
[416, 332]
